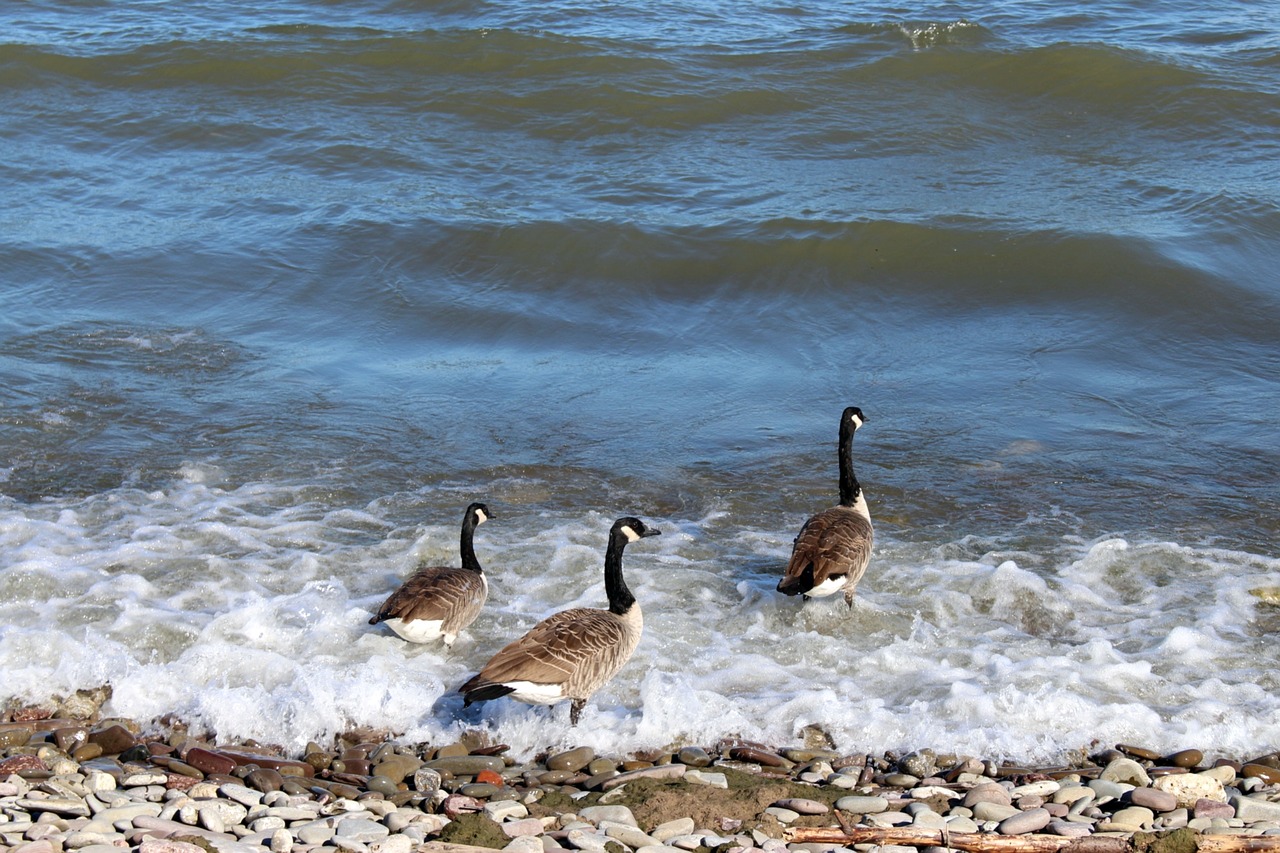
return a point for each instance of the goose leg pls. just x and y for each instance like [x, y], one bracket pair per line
[575, 711]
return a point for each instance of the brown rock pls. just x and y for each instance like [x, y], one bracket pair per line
[1138, 752]
[114, 739]
[318, 759]
[1185, 758]
[88, 752]
[207, 761]
[358, 766]
[397, 767]
[1271, 759]
[763, 757]
[572, 760]
[285, 766]
[15, 734]
[1267, 774]
[452, 750]
[69, 737]
[265, 779]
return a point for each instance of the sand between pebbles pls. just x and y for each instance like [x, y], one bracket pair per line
[104, 786]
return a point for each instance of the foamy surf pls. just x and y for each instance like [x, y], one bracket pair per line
[243, 611]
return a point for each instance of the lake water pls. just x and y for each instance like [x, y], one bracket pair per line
[282, 290]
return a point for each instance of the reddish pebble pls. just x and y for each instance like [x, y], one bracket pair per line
[1213, 808]
[178, 782]
[456, 804]
[20, 763]
[209, 762]
[490, 777]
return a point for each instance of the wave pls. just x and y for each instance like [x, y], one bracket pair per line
[952, 266]
[498, 73]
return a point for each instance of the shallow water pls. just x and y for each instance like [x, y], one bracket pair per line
[282, 291]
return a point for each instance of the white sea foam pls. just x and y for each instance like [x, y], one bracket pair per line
[245, 611]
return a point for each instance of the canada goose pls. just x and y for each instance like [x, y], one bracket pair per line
[833, 548]
[570, 654]
[439, 601]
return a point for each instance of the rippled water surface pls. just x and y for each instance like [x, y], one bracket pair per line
[283, 289]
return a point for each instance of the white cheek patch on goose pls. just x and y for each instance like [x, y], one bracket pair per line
[631, 535]
[857, 421]
[481, 516]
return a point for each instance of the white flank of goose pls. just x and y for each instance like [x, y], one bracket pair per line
[440, 601]
[570, 654]
[833, 548]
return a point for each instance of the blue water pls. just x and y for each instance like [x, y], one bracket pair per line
[283, 289]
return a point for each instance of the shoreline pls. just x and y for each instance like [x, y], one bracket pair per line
[104, 785]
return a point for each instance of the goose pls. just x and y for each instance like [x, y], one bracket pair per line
[833, 548]
[570, 654]
[439, 601]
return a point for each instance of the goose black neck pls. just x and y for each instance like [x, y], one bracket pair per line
[469, 560]
[849, 488]
[620, 598]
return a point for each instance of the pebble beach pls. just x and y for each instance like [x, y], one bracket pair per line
[106, 785]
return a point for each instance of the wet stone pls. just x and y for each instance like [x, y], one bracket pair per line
[397, 767]
[1138, 752]
[572, 760]
[113, 739]
[382, 785]
[15, 734]
[1266, 773]
[265, 779]
[759, 756]
[803, 806]
[1184, 758]
[694, 756]
[466, 765]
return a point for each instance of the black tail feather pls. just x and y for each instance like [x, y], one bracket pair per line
[482, 692]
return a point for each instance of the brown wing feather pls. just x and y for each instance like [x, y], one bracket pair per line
[835, 541]
[437, 593]
[556, 650]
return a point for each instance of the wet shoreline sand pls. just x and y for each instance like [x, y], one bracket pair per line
[108, 784]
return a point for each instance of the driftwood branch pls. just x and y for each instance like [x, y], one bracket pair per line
[974, 842]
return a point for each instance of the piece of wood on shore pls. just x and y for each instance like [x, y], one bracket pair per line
[449, 847]
[1175, 841]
